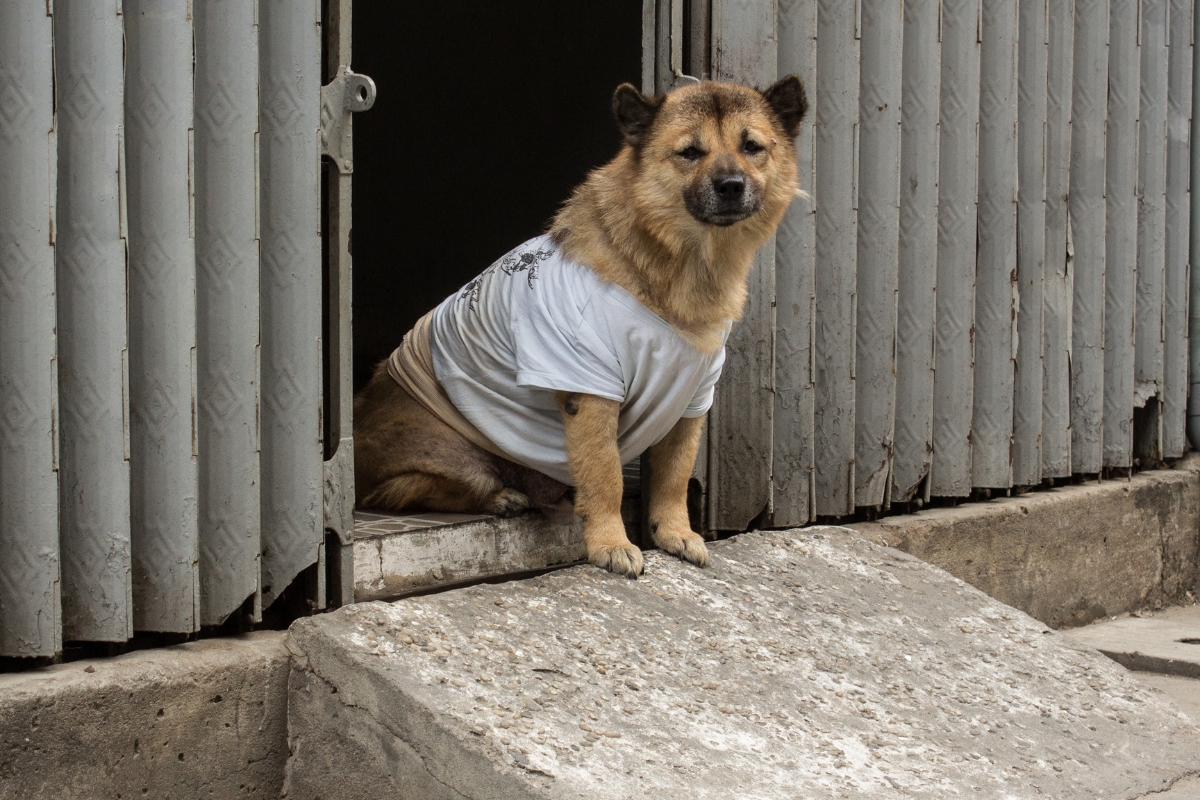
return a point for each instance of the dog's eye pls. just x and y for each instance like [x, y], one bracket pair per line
[751, 147]
[690, 153]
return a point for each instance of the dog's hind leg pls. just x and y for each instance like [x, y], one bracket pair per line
[429, 492]
[406, 459]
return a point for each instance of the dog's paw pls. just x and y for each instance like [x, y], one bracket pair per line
[686, 544]
[623, 559]
[506, 503]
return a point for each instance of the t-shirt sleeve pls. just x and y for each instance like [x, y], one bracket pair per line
[549, 357]
[702, 400]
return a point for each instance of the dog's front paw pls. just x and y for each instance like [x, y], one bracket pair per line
[506, 503]
[623, 559]
[685, 543]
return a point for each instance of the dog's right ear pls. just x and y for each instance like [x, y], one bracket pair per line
[634, 112]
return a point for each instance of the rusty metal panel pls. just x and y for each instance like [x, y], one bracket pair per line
[290, 285]
[835, 189]
[1121, 230]
[30, 620]
[996, 266]
[1087, 233]
[1151, 229]
[162, 315]
[745, 50]
[792, 468]
[1058, 276]
[917, 284]
[1032, 79]
[227, 319]
[950, 474]
[1175, 291]
[881, 51]
[90, 263]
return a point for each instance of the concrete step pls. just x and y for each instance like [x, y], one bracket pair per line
[1167, 642]
[805, 663]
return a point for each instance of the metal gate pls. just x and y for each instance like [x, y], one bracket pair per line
[166, 389]
[991, 286]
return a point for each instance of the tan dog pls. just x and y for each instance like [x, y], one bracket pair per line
[702, 181]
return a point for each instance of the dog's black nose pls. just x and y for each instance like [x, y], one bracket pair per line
[729, 187]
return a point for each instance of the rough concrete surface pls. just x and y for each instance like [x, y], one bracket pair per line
[1167, 642]
[800, 664]
[1070, 555]
[200, 720]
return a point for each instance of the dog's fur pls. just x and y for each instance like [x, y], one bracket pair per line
[703, 179]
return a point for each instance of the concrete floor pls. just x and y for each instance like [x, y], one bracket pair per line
[1157, 641]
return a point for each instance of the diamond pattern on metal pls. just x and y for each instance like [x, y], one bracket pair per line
[1151, 194]
[1086, 214]
[91, 294]
[290, 285]
[1178, 222]
[1058, 272]
[1121, 231]
[917, 254]
[29, 552]
[953, 388]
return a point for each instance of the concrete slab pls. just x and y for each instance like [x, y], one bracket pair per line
[1070, 555]
[199, 720]
[805, 663]
[1167, 642]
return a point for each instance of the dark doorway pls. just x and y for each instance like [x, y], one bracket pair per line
[488, 114]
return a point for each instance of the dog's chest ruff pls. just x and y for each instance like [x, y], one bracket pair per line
[536, 323]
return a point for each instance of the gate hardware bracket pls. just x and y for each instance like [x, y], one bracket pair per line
[347, 93]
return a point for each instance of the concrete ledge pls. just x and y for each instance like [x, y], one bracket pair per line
[200, 720]
[1070, 555]
[805, 663]
[390, 564]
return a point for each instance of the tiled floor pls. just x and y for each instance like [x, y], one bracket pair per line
[368, 524]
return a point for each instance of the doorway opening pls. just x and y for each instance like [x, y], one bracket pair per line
[488, 114]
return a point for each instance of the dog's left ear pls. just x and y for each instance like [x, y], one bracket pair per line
[788, 100]
[634, 112]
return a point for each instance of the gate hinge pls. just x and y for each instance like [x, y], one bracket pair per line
[339, 491]
[345, 94]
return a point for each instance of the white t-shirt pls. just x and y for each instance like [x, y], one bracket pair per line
[535, 323]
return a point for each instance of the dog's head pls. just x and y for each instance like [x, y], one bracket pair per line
[724, 152]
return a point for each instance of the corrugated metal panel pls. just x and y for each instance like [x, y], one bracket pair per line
[227, 303]
[795, 251]
[1151, 229]
[917, 284]
[90, 263]
[1058, 284]
[1175, 316]
[290, 281]
[30, 621]
[1032, 79]
[162, 315]
[1120, 239]
[881, 50]
[745, 50]
[836, 101]
[996, 266]
[950, 474]
[1086, 209]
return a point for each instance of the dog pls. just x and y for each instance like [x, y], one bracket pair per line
[603, 338]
